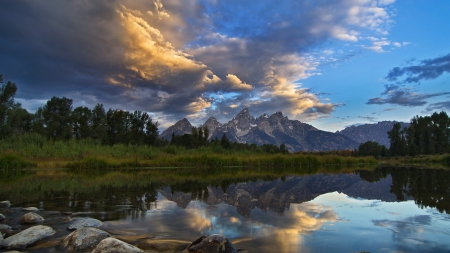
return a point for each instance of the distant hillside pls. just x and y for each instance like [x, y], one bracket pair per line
[371, 132]
[275, 129]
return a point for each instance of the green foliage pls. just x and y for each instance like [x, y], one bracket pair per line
[372, 148]
[425, 136]
[11, 161]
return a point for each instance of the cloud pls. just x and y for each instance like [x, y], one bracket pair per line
[174, 58]
[369, 118]
[440, 106]
[427, 70]
[397, 95]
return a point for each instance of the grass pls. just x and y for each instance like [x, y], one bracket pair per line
[431, 161]
[33, 150]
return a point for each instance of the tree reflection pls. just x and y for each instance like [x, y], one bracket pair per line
[428, 187]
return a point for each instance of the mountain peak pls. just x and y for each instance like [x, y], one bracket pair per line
[243, 112]
[181, 127]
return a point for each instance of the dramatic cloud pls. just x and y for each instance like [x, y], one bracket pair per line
[176, 59]
[403, 96]
[426, 70]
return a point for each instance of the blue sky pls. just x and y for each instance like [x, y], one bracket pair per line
[330, 63]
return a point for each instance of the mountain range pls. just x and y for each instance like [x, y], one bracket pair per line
[371, 132]
[278, 129]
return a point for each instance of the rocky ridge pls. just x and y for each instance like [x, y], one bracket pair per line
[274, 129]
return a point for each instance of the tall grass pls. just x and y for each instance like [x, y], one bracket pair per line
[91, 154]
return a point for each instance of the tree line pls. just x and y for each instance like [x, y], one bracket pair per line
[426, 135]
[199, 138]
[58, 120]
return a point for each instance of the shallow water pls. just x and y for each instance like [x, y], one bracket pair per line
[387, 210]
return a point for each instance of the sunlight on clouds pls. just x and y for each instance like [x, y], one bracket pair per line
[149, 54]
[237, 84]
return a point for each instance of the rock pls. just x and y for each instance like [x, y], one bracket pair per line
[1, 239]
[30, 209]
[31, 218]
[158, 245]
[112, 245]
[4, 227]
[2, 217]
[12, 251]
[5, 204]
[212, 244]
[83, 238]
[27, 237]
[84, 222]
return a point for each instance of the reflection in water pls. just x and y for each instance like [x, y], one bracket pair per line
[388, 209]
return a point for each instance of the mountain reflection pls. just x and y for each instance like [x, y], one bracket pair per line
[139, 189]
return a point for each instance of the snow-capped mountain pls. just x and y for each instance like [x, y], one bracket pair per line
[274, 129]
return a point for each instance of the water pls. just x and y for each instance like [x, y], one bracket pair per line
[385, 210]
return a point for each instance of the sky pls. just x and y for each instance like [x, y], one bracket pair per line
[329, 63]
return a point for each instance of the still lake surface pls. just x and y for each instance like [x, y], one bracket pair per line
[388, 209]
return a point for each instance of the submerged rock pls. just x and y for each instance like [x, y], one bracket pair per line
[5, 204]
[83, 238]
[112, 245]
[31, 218]
[27, 237]
[212, 244]
[2, 217]
[30, 209]
[84, 222]
[158, 245]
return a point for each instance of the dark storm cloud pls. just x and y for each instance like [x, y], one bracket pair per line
[48, 52]
[426, 70]
[398, 95]
[132, 54]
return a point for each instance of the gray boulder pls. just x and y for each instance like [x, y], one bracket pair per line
[1, 239]
[112, 245]
[5, 204]
[2, 217]
[84, 222]
[27, 237]
[84, 238]
[31, 218]
[212, 244]
[30, 209]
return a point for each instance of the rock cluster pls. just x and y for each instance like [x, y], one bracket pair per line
[86, 237]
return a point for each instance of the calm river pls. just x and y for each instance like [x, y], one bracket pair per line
[385, 210]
